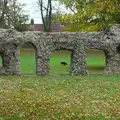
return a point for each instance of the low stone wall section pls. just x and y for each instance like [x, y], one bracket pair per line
[45, 43]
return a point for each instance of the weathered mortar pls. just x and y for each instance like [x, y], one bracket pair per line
[45, 43]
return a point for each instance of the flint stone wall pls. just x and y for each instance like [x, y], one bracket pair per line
[45, 43]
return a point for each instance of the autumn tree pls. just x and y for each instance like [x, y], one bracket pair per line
[90, 15]
[17, 17]
[32, 21]
[13, 15]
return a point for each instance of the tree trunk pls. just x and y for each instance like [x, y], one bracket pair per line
[2, 21]
[50, 15]
[47, 18]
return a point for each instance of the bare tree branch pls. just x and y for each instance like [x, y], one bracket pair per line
[47, 17]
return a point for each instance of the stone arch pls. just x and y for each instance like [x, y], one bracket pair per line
[30, 44]
[58, 46]
[78, 56]
[31, 49]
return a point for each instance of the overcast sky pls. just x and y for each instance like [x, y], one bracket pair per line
[33, 9]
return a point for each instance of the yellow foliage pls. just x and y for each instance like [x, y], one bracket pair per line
[93, 16]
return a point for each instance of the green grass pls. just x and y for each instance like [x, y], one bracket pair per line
[60, 96]
[95, 61]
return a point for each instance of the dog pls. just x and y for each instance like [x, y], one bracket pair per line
[63, 63]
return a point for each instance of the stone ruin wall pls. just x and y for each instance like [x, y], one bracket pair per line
[45, 43]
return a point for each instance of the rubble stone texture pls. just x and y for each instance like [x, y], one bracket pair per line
[45, 43]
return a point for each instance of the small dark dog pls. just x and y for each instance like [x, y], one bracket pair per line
[63, 63]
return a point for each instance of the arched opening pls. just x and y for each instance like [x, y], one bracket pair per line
[95, 61]
[1, 62]
[28, 59]
[60, 62]
[118, 49]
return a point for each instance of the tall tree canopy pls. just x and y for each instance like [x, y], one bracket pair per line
[13, 15]
[17, 16]
[90, 15]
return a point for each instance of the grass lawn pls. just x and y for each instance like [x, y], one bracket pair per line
[95, 60]
[60, 96]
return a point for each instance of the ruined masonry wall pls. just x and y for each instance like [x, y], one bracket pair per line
[45, 43]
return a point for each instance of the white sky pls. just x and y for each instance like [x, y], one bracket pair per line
[33, 9]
